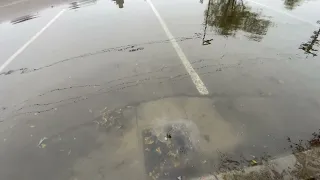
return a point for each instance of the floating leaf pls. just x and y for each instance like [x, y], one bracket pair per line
[158, 150]
[253, 162]
[148, 140]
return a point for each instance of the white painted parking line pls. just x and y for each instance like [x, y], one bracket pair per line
[20, 50]
[285, 13]
[193, 74]
[13, 3]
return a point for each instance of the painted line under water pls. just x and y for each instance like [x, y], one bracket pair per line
[13, 3]
[21, 49]
[193, 74]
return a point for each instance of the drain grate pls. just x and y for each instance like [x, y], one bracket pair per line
[168, 152]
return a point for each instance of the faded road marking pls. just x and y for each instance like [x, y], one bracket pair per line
[194, 76]
[13, 3]
[30, 41]
[285, 13]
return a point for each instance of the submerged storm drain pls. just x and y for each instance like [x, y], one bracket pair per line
[170, 151]
[180, 137]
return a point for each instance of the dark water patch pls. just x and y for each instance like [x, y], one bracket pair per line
[227, 17]
[23, 19]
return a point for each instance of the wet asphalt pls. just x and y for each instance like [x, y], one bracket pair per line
[81, 100]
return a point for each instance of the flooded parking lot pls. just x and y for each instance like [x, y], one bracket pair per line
[209, 89]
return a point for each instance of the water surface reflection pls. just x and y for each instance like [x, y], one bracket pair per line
[309, 47]
[119, 3]
[292, 4]
[228, 17]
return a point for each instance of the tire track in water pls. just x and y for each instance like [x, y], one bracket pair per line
[125, 48]
[125, 85]
[219, 67]
[47, 104]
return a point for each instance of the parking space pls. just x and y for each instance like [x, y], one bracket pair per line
[254, 65]
[106, 92]
[119, 57]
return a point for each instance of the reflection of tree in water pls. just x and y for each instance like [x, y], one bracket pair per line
[291, 4]
[229, 16]
[119, 3]
[308, 47]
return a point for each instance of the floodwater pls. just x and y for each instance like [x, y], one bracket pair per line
[97, 89]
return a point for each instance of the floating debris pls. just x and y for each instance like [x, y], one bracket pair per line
[148, 140]
[154, 175]
[204, 161]
[158, 150]
[41, 143]
[253, 162]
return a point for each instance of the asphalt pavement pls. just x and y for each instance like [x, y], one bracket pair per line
[150, 89]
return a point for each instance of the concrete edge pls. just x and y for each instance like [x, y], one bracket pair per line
[280, 165]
